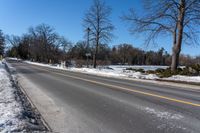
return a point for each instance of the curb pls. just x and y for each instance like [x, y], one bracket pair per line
[34, 107]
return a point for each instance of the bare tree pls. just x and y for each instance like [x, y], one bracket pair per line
[180, 18]
[13, 43]
[125, 52]
[13, 40]
[97, 19]
[44, 40]
[64, 44]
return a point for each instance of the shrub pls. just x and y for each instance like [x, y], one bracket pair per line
[166, 73]
[150, 72]
[193, 70]
[136, 70]
[195, 67]
[159, 70]
[185, 71]
[131, 69]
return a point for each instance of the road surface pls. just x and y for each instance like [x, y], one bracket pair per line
[107, 105]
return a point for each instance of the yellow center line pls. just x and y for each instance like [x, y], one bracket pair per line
[128, 89]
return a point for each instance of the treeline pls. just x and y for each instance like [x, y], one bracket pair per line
[126, 54]
[43, 44]
[2, 43]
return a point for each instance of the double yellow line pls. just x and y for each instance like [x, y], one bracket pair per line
[127, 89]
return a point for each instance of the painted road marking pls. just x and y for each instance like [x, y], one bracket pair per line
[128, 89]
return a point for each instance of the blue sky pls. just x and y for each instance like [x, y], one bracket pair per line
[16, 16]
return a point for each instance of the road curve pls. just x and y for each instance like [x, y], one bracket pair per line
[109, 105]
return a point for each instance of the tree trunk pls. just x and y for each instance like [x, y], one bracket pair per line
[175, 59]
[174, 63]
[177, 44]
[94, 61]
[95, 55]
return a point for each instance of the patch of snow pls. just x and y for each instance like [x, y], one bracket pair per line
[184, 78]
[16, 59]
[145, 67]
[102, 72]
[169, 120]
[139, 75]
[163, 115]
[39, 64]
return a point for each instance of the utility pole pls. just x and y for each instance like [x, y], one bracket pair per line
[88, 40]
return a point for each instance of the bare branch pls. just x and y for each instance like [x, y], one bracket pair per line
[179, 17]
[97, 20]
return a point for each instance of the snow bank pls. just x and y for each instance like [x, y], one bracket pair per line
[10, 109]
[102, 72]
[41, 64]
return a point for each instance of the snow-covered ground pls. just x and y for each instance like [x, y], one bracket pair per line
[119, 71]
[10, 109]
[144, 67]
[195, 79]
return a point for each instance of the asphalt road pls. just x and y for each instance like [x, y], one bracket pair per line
[110, 105]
